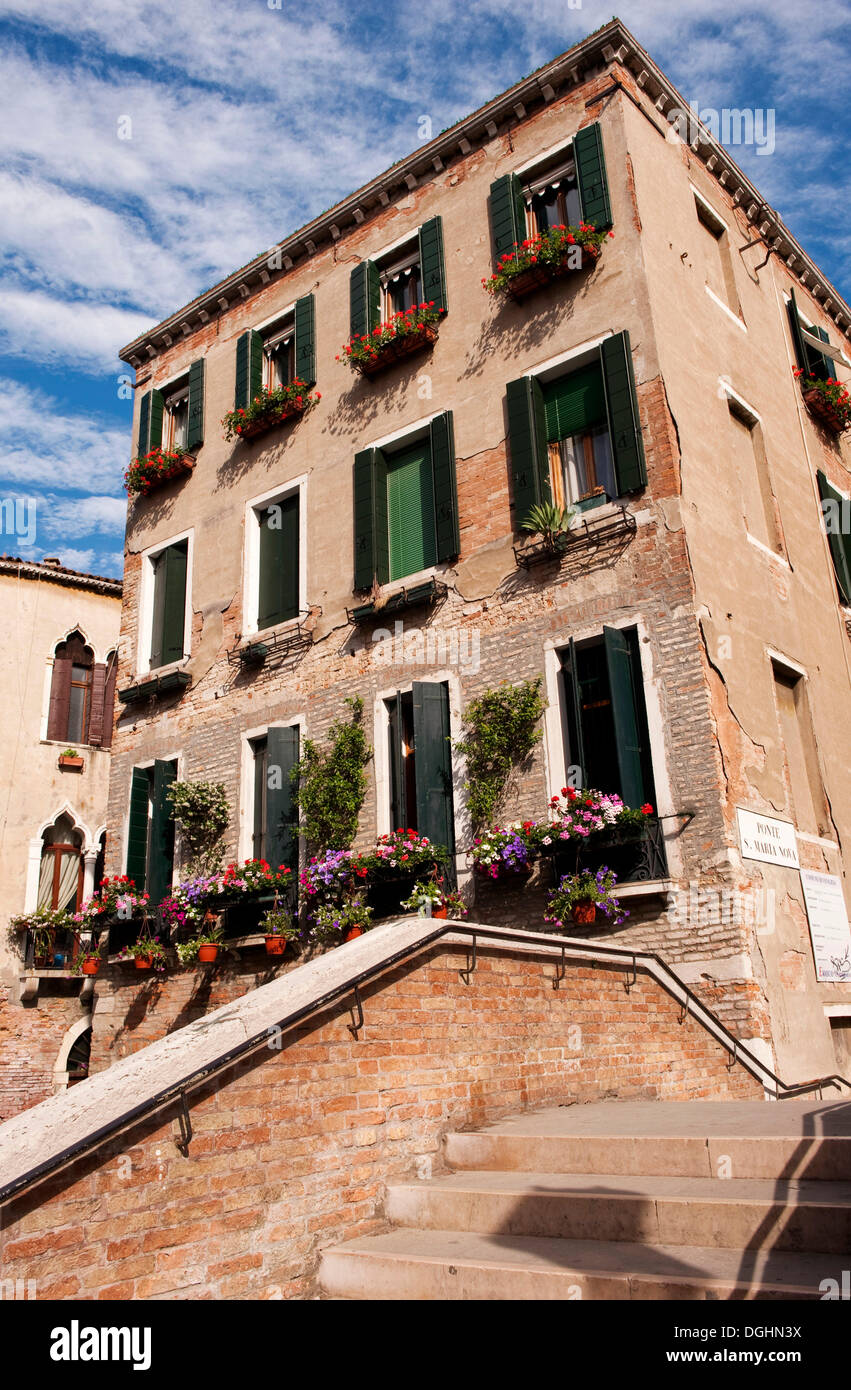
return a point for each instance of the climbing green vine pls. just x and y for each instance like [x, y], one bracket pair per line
[500, 733]
[202, 812]
[330, 783]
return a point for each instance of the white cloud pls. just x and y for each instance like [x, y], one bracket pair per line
[77, 452]
[37, 325]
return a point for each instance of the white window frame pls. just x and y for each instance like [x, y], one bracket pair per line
[251, 564]
[146, 604]
[288, 312]
[245, 825]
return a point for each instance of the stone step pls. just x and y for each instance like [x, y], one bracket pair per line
[407, 1264]
[736, 1213]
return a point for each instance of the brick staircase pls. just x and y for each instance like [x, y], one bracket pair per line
[616, 1200]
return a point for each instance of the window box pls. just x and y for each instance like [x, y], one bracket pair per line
[153, 470]
[270, 407]
[153, 689]
[418, 594]
[542, 552]
[253, 655]
[835, 416]
[73, 763]
[636, 854]
[384, 354]
[597, 498]
[527, 281]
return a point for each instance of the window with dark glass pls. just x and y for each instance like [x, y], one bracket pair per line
[279, 353]
[604, 716]
[175, 432]
[420, 761]
[71, 691]
[578, 437]
[552, 198]
[401, 285]
[259, 755]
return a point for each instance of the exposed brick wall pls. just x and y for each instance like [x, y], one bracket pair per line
[292, 1149]
[30, 1038]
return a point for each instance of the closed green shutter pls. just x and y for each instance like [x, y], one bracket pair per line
[574, 695]
[279, 562]
[249, 368]
[508, 214]
[372, 559]
[305, 340]
[169, 619]
[195, 425]
[591, 176]
[398, 790]
[622, 407]
[155, 425]
[442, 438]
[281, 821]
[364, 298]
[410, 511]
[839, 541]
[575, 403]
[432, 264]
[137, 827]
[622, 686]
[161, 855]
[527, 443]
[144, 423]
[433, 762]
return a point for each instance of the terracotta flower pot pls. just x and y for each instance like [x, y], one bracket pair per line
[75, 764]
[584, 913]
[209, 952]
[352, 933]
[91, 965]
[823, 409]
[276, 945]
[144, 962]
[440, 912]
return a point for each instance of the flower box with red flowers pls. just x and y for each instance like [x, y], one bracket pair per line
[404, 333]
[539, 260]
[827, 399]
[270, 407]
[155, 468]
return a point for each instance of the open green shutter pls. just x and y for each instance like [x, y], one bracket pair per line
[372, 559]
[445, 488]
[281, 823]
[195, 424]
[433, 762]
[622, 686]
[279, 562]
[622, 407]
[829, 364]
[155, 424]
[167, 632]
[575, 403]
[364, 298]
[508, 214]
[161, 857]
[144, 423]
[137, 827]
[398, 790]
[527, 443]
[432, 263]
[574, 694]
[839, 541]
[797, 338]
[305, 340]
[249, 368]
[591, 176]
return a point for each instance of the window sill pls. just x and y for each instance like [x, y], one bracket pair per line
[174, 681]
[731, 314]
[425, 593]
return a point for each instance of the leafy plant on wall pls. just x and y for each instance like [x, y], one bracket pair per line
[501, 730]
[201, 810]
[330, 782]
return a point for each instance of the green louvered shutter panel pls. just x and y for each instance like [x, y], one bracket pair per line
[281, 819]
[433, 763]
[249, 368]
[410, 511]
[161, 858]
[144, 423]
[305, 340]
[372, 557]
[155, 423]
[797, 337]
[839, 541]
[445, 489]
[829, 364]
[591, 176]
[527, 443]
[432, 263]
[137, 827]
[169, 619]
[622, 408]
[195, 426]
[508, 214]
[622, 688]
[575, 403]
[574, 694]
[364, 298]
[279, 562]
[398, 790]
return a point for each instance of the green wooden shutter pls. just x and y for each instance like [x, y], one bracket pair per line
[144, 423]
[161, 854]
[432, 263]
[195, 426]
[574, 694]
[155, 425]
[527, 443]
[137, 827]
[364, 298]
[575, 402]
[622, 408]
[279, 562]
[591, 176]
[305, 340]
[442, 437]
[840, 543]
[508, 214]
[281, 822]
[829, 364]
[398, 790]
[797, 338]
[372, 558]
[249, 368]
[622, 686]
[169, 618]
[410, 511]
[433, 763]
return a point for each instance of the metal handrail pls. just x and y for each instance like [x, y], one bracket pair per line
[477, 931]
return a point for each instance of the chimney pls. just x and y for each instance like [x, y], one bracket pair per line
[52, 560]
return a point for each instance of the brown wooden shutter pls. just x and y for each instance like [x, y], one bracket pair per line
[109, 700]
[60, 699]
[97, 710]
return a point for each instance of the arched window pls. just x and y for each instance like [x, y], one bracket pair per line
[60, 880]
[71, 691]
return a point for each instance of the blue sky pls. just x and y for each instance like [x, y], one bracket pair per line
[245, 121]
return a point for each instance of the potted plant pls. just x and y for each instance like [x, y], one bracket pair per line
[400, 335]
[579, 897]
[552, 524]
[150, 470]
[348, 919]
[550, 256]
[204, 946]
[430, 899]
[270, 407]
[71, 759]
[278, 928]
[148, 953]
[827, 399]
[43, 924]
[88, 959]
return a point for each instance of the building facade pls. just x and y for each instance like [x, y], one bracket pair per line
[692, 636]
[60, 628]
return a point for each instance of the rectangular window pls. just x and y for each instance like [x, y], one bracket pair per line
[410, 511]
[750, 462]
[578, 440]
[176, 415]
[420, 761]
[807, 338]
[169, 604]
[401, 283]
[604, 716]
[150, 832]
[804, 785]
[276, 543]
[279, 353]
[552, 196]
[718, 263]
